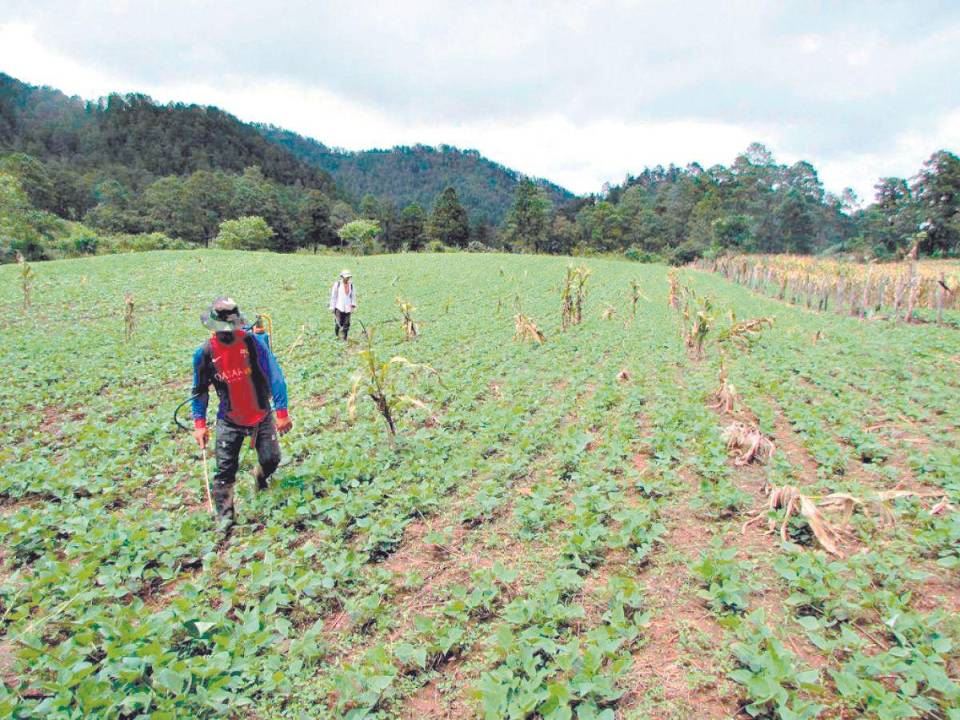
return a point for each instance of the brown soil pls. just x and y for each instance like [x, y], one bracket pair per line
[434, 702]
[788, 442]
[50, 422]
[316, 401]
[662, 665]
[7, 662]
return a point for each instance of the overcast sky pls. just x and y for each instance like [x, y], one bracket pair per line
[577, 92]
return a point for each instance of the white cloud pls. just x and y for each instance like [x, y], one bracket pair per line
[809, 44]
[25, 58]
[903, 157]
[579, 156]
[579, 93]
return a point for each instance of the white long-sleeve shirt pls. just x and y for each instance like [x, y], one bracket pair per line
[342, 300]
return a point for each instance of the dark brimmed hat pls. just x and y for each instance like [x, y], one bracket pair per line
[223, 315]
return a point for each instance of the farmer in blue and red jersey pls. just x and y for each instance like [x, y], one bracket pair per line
[246, 375]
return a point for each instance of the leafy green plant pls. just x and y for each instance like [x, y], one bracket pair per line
[770, 675]
[725, 588]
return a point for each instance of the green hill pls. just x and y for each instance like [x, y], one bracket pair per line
[144, 138]
[417, 174]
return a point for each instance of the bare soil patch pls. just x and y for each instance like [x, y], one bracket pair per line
[7, 662]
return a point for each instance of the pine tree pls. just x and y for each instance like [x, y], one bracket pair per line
[529, 219]
[448, 221]
[411, 227]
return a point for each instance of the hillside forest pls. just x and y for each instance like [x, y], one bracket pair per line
[125, 173]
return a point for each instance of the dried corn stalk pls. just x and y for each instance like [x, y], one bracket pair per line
[635, 295]
[752, 444]
[572, 294]
[379, 381]
[794, 502]
[674, 299]
[526, 329]
[609, 312]
[696, 321]
[725, 396]
[745, 333]
[410, 330]
[129, 319]
[26, 280]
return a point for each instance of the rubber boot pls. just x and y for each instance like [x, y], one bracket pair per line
[261, 481]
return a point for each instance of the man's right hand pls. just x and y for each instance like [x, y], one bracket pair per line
[202, 436]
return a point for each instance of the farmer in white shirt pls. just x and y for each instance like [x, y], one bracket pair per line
[343, 301]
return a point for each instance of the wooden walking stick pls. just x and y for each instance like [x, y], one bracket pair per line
[206, 480]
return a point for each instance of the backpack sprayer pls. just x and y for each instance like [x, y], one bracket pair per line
[263, 324]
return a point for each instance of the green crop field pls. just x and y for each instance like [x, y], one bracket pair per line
[558, 530]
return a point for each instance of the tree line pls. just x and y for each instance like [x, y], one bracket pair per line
[125, 173]
[755, 205]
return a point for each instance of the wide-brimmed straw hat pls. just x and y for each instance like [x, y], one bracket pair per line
[223, 315]
[346, 274]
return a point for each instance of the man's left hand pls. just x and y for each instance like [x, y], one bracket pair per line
[284, 424]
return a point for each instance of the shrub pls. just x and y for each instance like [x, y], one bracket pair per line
[81, 240]
[250, 232]
[435, 246]
[143, 242]
[685, 253]
[640, 255]
[476, 246]
[361, 235]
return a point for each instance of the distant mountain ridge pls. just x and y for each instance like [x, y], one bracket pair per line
[148, 139]
[416, 174]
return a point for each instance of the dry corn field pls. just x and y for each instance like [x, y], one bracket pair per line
[911, 291]
[634, 494]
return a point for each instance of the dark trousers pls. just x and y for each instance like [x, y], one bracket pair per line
[230, 439]
[341, 323]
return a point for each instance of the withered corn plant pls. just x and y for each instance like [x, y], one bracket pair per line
[635, 294]
[725, 396]
[609, 312]
[410, 330]
[26, 279]
[379, 381]
[572, 294]
[697, 320]
[129, 320]
[750, 442]
[794, 502]
[745, 333]
[673, 299]
[525, 329]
